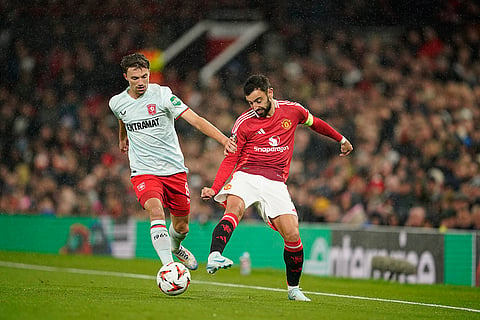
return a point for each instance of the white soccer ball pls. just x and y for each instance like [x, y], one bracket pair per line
[173, 278]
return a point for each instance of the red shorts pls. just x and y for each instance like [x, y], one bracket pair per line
[171, 190]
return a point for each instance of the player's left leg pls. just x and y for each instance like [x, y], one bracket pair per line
[287, 226]
[178, 231]
[177, 200]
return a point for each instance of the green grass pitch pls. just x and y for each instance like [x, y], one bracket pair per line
[42, 286]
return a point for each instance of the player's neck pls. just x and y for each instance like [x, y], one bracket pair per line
[272, 108]
[133, 94]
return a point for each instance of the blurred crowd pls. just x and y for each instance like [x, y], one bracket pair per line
[407, 97]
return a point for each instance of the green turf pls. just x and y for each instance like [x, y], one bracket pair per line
[66, 294]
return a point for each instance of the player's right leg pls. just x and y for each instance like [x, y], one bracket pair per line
[222, 233]
[158, 230]
[220, 237]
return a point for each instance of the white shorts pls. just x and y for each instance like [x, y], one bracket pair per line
[271, 198]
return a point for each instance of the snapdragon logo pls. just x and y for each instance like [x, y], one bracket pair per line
[272, 149]
[274, 142]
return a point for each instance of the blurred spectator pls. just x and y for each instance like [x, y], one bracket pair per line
[476, 217]
[416, 217]
[407, 96]
[462, 211]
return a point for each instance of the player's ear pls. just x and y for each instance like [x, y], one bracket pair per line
[125, 76]
[270, 93]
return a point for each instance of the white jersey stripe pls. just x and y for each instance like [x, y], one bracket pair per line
[242, 118]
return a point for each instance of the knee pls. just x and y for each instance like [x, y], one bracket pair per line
[181, 227]
[156, 213]
[180, 224]
[291, 235]
[155, 209]
[236, 206]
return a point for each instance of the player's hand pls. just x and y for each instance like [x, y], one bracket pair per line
[123, 145]
[207, 193]
[346, 148]
[230, 146]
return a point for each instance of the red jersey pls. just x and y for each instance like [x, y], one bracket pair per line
[264, 145]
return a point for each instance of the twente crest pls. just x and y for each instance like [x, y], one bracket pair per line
[152, 109]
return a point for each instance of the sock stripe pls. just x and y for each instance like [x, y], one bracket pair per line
[294, 246]
[231, 218]
[158, 224]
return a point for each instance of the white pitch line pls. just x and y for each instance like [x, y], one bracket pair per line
[17, 265]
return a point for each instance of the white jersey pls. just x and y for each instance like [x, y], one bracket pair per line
[149, 120]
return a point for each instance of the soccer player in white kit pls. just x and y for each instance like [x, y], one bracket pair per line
[146, 113]
[265, 136]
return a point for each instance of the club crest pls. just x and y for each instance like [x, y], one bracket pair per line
[286, 124]
[152, 109]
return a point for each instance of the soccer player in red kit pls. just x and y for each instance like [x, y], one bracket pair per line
[265, 136]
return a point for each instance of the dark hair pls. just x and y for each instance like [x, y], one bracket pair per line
[257, 81]
[134, 60]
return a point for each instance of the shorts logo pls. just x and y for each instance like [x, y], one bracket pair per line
[227, 187]
[152, 109]
[274, 141]
[141, 186]
[286, 124]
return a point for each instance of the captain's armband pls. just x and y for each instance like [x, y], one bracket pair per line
[309, 120]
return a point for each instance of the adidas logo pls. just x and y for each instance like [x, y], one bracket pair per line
[261, 131]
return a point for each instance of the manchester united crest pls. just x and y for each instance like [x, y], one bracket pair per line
[152, 109]
[286, 124]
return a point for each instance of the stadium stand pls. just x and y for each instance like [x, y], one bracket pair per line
[403, 84]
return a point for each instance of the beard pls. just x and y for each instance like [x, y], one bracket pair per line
[263, 112]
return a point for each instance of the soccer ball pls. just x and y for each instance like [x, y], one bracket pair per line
[173, 278]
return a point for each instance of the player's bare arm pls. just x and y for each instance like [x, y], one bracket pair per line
[209, 129]
[122, 137]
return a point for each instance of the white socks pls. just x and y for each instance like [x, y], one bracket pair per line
[175, 238]
[161, 241]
